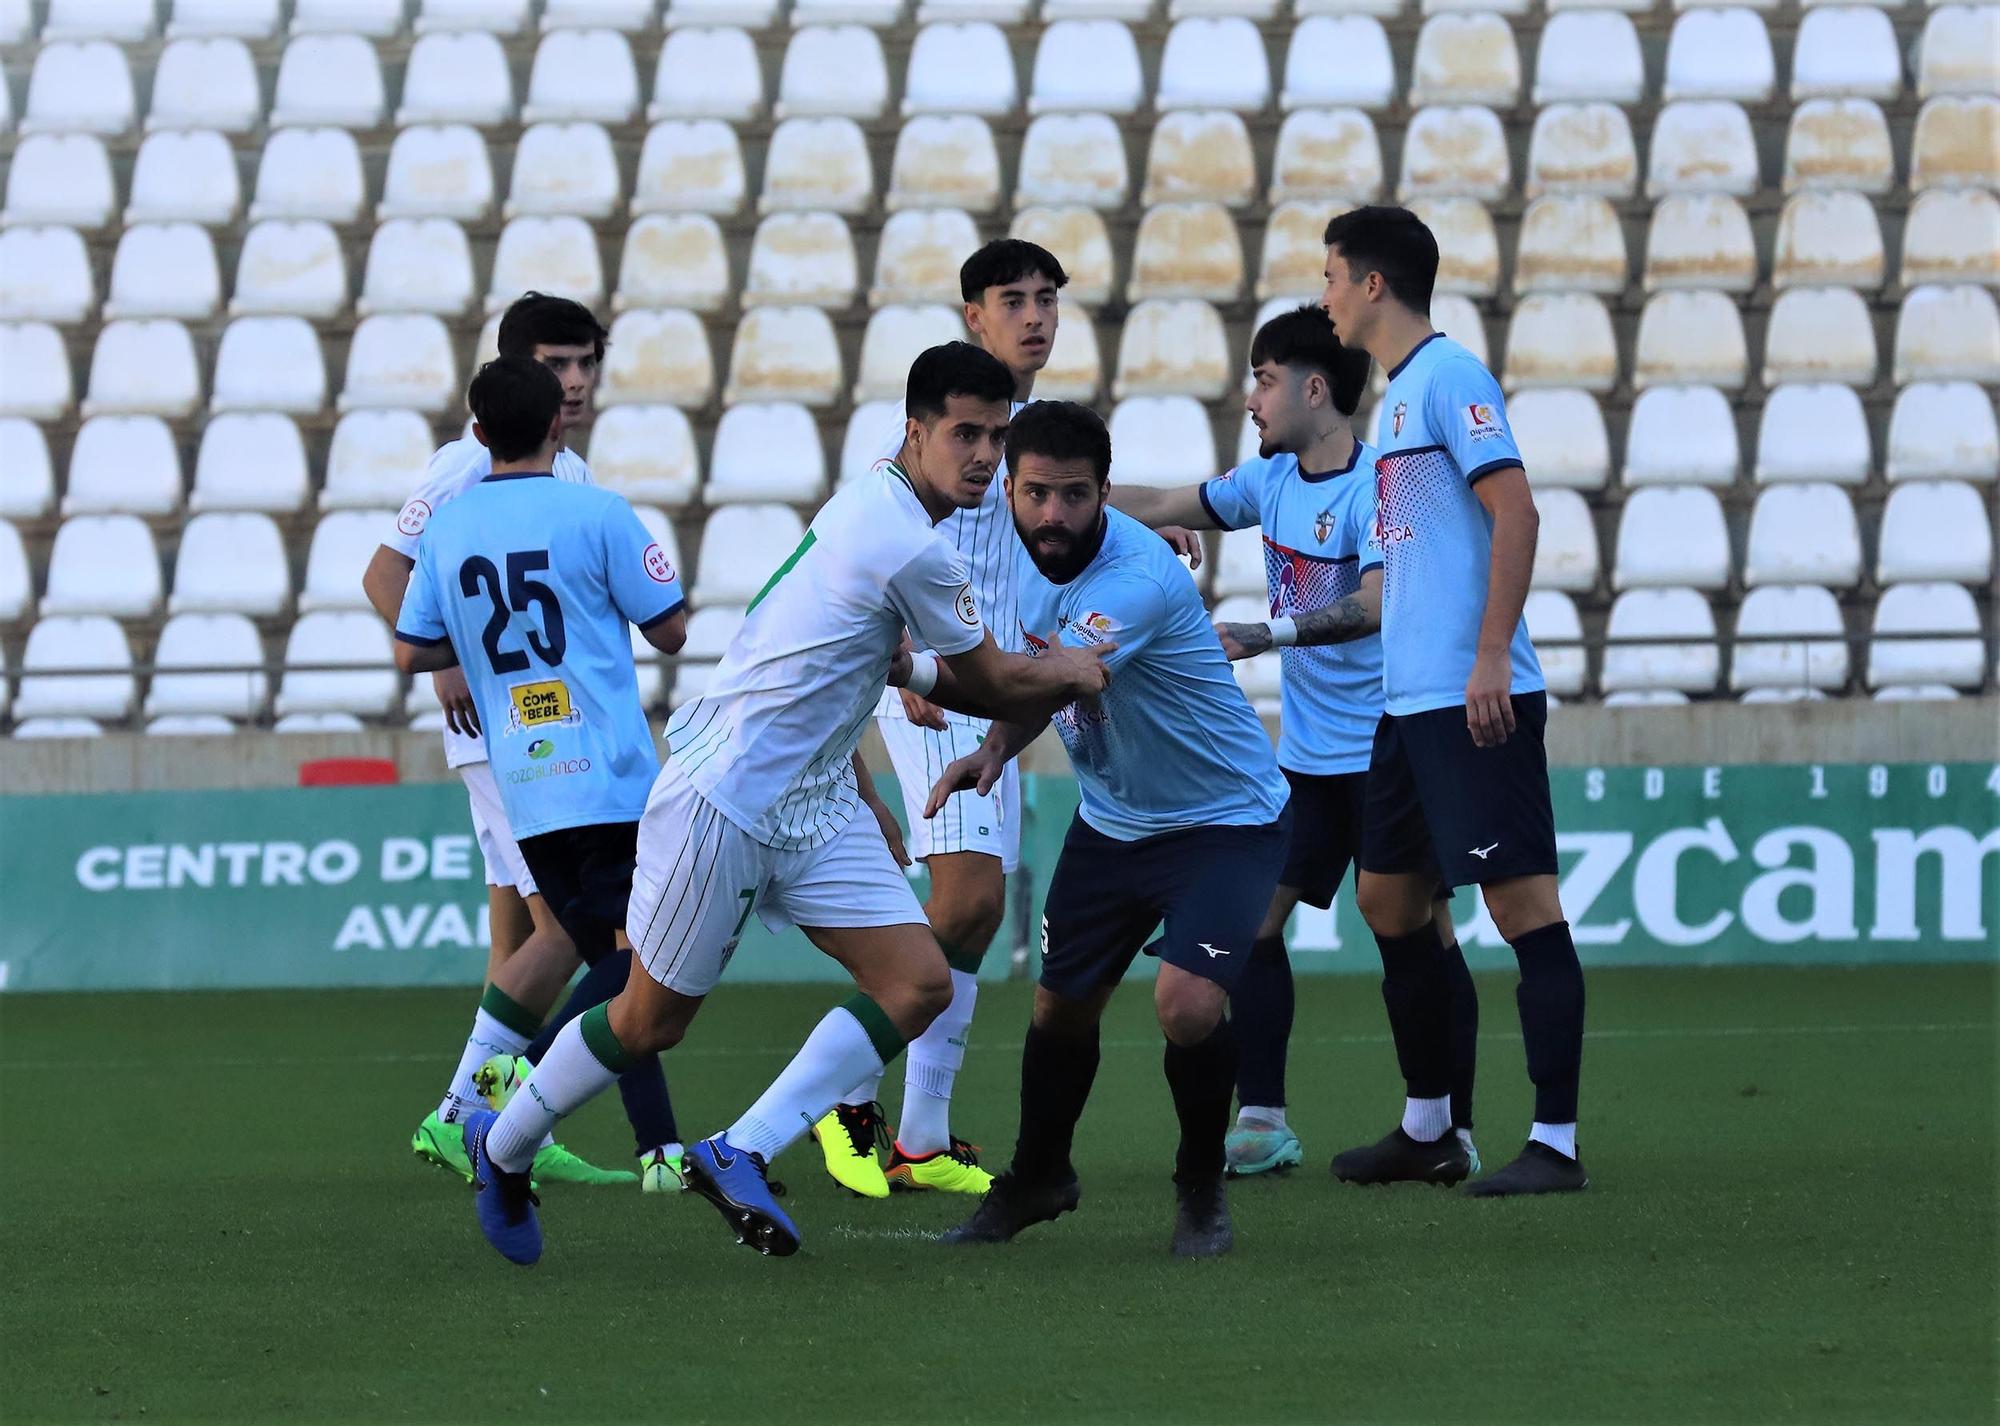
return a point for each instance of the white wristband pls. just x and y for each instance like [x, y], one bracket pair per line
[1284, 632]
[923, 673]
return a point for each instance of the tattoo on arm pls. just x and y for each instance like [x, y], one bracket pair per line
[1340, 622]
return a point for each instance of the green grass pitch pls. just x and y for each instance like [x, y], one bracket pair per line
[209, 1213]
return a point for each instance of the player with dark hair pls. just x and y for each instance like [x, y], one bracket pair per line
[1183, 822]
[1312, 490]
[1458, 776]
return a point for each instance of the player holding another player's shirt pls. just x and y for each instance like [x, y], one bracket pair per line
[1183, 822]
[1458, 777]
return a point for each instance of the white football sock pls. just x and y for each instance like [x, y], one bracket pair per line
[838, 1052]
[1263, 1116]
[935, 1058]
[568, 1076]
[1427, 1120]
[1560, 1137]
[866, 1092]
[489, 1038]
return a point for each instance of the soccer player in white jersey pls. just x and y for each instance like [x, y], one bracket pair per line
[755, 810]
[567, 339]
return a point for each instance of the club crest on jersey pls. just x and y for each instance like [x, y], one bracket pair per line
[1482, 422]
[1323, 524]
[1396, 418]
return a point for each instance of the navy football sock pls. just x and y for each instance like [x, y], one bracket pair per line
[1056, 1074]
[1201, 1077]
[1418, 997]
[1464, 1034]
[1261, 1007]
[1550, 997]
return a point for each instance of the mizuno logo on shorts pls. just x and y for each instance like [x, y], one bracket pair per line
[1212, 951]
[1481, 852]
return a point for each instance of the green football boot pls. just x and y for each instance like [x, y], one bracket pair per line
[437, 1142]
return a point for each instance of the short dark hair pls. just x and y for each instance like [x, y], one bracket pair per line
[1393, 242]
[1060, 430]
[1006, 260]
[1303, 337]
[535, 319]
[954, 369]
[515, 400]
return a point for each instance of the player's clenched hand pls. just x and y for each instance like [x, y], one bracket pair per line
[1084, 667]
[921, 711]
[1187, 544]
[1489, 709]
[461, 714]
[978, 771]
[1243, 641]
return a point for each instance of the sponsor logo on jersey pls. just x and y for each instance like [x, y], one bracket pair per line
[1093, 628]
[1482, 422]
[1385, 533]
[565, 767]
[967, 607]
[658, 567]
[541, 749]
[414, 517]
[538, 703]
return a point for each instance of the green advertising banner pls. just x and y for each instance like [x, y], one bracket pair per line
[384, 885]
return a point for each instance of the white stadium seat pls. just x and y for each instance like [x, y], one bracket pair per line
[1239, 563]
[376, 459]
[1586, 55]
[1582, 149]
[582, 75]
[833, 69]
[1261, 678]
[245, 19]
[707, 74]
[766, 453]
[894, 337]
[45, 276]
[1671, 535]
[1700, 240]
[59, 178]
[1809, 663]
[79, 87]
[322, 724]
[16, 582]
[1843, 51]
[1722, 53]
[1161, 440]
[103, 564]
[1469, 246]
[29, 491]
[1948, 334]
[1898, 693]
[1455, 150]
[417, 265]
[208, 641]
[1838, 143]
[17, 24]
[918, 256]
[690, 166]
[1186, 250]
[1952, 235]
[144, 367]
[673, 260]
[1803, 534]
[500, 17]
[401, 360]
[1090, 65]
[184, 177]
[1935, 530]
[1294, 259]
[126, 20]
[38, 382]
[457, 78]
[564, 169]
[1560, 431]
[1569, 243]
[1959, 52]
[91, 642]
[626, 15]
[250, 460]
[345, 637]
[657, 357]
[1561, 339]
[1173, 348]
[309, 173]
[290, 268]
[1681, 435]
[867, 432]
[740, 546]
[646, 453]
[1813, 432]
[1073, 158]
[1691, 337]
[1702, 146]
[60, 728]
[1943, 430]
[879, 13]
[1566, 549]
[1828, 238]
[1957, 143]
[331, 81]
[123, 465]
[963, 68]
[438, 171]
[1467, 58]
[1214, 62]
[1200, 155]
[342, 544]
[378, 19]
[999, 12]
[1338, 60]
[1458, 319]
[1327, 155]
[164, 270]
[1558, 634]
[1660, 640]
[1820, 334]
[555, 255]
[709, 632]
[818, 163]
[1076, 370]
[1943, 609]
[945, 161]
[269, 364]
[785, 354]
[205, 84]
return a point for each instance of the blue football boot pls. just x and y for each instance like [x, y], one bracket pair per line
[505, 1202]
[737, 1183]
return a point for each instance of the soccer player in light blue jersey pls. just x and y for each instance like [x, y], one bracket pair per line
[1311, 489]
[1184, 822]
[1458, 781]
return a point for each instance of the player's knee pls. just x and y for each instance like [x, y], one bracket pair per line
[1189, 1008]
[921, 996]
[1522, 904]
[966, 916]
[1388, 905]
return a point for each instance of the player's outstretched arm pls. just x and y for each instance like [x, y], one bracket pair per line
[1354, 617]
[980, 770]
[1154, 507]
[1489, 708]
[987, 683]
[425, 658]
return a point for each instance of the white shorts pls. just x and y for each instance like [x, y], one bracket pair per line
[504, 864]
[699, 877]
[967, 822]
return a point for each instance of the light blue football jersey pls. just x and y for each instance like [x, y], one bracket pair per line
[1443, 427]
[1319, 536]
[1172, 743]
[533, 581]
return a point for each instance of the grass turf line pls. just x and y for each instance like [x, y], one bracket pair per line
[210, 1213]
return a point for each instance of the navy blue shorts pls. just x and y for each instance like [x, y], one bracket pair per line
[1210, 885]
[585, 875]
[1326, 832]
[1436, 799]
